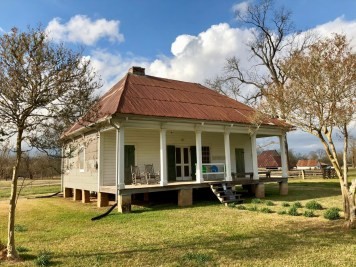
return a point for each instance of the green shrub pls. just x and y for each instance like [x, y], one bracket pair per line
[332, 214]
[20, 228]
[240, 207]
[199, 258]
[293, 211]
[256, 201]
[285, 204]
[252, 208]
[44, 259]
[266, 210]
[21, 249]
[297, 205]
[269, 203]
[313, 205]
[309, 213]
[282, 212]
[231, 205]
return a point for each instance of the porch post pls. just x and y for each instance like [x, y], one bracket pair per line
[227, 155]
[199, 168]
[283, 156]
[163, 157]
[254, 156]
[120, 158]
[98, 161]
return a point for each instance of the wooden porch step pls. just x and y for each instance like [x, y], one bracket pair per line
[225, 193]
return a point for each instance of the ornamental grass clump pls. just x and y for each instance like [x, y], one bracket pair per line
[285, 204]
[309, 213]
[269, 203]
[297, 205]
[293, 211]
[313, 205]
[282, 212]
[43, 259]
[256, 201]
[332, 214]
[266, 210]
[241, 207]
[252, 208]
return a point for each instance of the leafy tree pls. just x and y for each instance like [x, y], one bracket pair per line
[319, 98]
[44, 87]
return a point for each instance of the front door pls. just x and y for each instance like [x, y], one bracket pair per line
[183, 163]
[240, 160]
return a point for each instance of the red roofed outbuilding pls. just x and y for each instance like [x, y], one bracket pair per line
[269, 159]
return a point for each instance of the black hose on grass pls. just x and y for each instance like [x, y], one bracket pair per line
[104, 214]
[47, 196]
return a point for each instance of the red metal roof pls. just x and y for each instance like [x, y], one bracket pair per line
[269, 159]
[153, 96]
[307, 163]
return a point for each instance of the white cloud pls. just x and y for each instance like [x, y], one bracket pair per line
[339, 25]
[113, 66]
[81, 29]
[241, 8]
[196, 58]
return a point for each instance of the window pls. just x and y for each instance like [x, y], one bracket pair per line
[81, 159]
[205, 153]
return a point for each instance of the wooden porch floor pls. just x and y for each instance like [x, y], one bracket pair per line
[148, 188]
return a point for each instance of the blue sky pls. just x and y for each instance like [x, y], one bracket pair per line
[185, 39]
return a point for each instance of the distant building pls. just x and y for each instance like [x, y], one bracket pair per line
[269, 159]
[309, 164]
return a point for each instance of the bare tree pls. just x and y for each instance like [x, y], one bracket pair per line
[44, 87]
[274, 38]
[320, 98]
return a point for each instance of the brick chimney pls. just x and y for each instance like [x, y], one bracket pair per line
[137, 70]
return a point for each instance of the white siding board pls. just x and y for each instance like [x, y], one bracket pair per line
[108, 162]
[73, 177]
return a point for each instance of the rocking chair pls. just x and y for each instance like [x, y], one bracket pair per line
[150, 174]
[137, 176]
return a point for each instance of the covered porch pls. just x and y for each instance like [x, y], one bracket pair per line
[184, 155]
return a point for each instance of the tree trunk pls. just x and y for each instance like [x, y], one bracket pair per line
[11, 250]
[347, 193]
[351, 223]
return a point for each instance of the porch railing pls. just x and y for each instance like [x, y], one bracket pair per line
[213, 171]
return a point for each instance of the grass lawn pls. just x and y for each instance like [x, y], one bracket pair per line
[206, 234]
[30, 187]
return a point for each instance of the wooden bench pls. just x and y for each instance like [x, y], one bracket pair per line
[242, 175]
